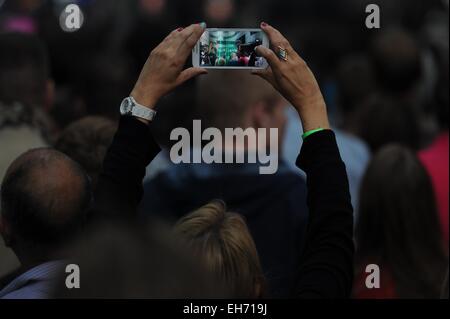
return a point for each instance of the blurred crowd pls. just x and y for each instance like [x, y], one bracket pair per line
[386, 91]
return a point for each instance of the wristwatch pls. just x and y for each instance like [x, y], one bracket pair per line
[130, 107]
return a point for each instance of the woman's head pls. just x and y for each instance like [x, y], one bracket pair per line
[223, 241]
[398, 223]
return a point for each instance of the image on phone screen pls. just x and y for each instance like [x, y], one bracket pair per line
[231, 48]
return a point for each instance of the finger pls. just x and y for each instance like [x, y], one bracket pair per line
[177, 38]
[269, 55]
[267, 75]
[189, 74]
[191, 37]
[275, 37]
[171, 35]
[182, 36]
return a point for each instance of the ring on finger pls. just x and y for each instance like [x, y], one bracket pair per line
[282, 53]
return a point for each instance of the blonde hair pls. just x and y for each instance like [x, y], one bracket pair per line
[226, 246]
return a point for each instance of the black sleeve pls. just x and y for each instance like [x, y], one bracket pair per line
[119, 189]
[327, 263]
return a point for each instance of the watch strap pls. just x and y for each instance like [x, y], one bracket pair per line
[141, 111]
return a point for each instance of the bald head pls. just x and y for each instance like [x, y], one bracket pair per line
[44, 199]
[225, 97]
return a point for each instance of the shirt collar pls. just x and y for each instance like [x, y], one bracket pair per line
[43, 272]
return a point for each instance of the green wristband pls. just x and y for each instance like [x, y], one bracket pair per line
[309, 133]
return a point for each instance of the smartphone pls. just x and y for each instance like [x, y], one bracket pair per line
[230, 49]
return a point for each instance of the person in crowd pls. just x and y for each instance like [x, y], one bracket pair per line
[326, 264]
[19, 131]
[234, 60]
[145, 262]
[252, 58]
[221, 61]
[396, 113]
[69, 107]
[45, 197]
[325, 267]
[157, 16]
[396, 57]
[212, 53]
[17, 16]
[243, 60]
[86, 142]
[25, 77]
[398, 229]
[399, 68]
[435, 157]
[24, 71]
[277, 220]
[219, 12]
[108, 81]
[25, 96]
[384, 119]
[355, 83]
[223, 242]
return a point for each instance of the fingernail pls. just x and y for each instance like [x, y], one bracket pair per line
[264, 24]
[203, 25]
[180, 29]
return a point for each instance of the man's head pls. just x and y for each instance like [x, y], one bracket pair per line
[24, 71]
[355, 82]
[86, 142]
[397, 61]
[238, 99]
[44, 200]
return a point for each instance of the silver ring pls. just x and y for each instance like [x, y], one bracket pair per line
[282, 53]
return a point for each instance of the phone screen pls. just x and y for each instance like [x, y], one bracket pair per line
[231, 49]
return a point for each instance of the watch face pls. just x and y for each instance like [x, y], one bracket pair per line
[126, 107]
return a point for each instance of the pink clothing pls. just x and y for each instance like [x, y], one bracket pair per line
[22, 24]
[436, 161]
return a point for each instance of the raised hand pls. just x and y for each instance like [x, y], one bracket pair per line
[293, 79]
[163, 70]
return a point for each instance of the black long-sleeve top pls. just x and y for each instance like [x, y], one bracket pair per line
[327, 262]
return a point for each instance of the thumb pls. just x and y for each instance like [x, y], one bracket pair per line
[189, 74]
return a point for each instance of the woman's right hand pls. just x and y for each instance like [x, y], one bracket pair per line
[294, 80]
[163, 70]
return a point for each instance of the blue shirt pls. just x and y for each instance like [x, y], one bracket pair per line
[354, 152]
[36, 283]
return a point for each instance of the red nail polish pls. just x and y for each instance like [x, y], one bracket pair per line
[180, 29]
[264, 24]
